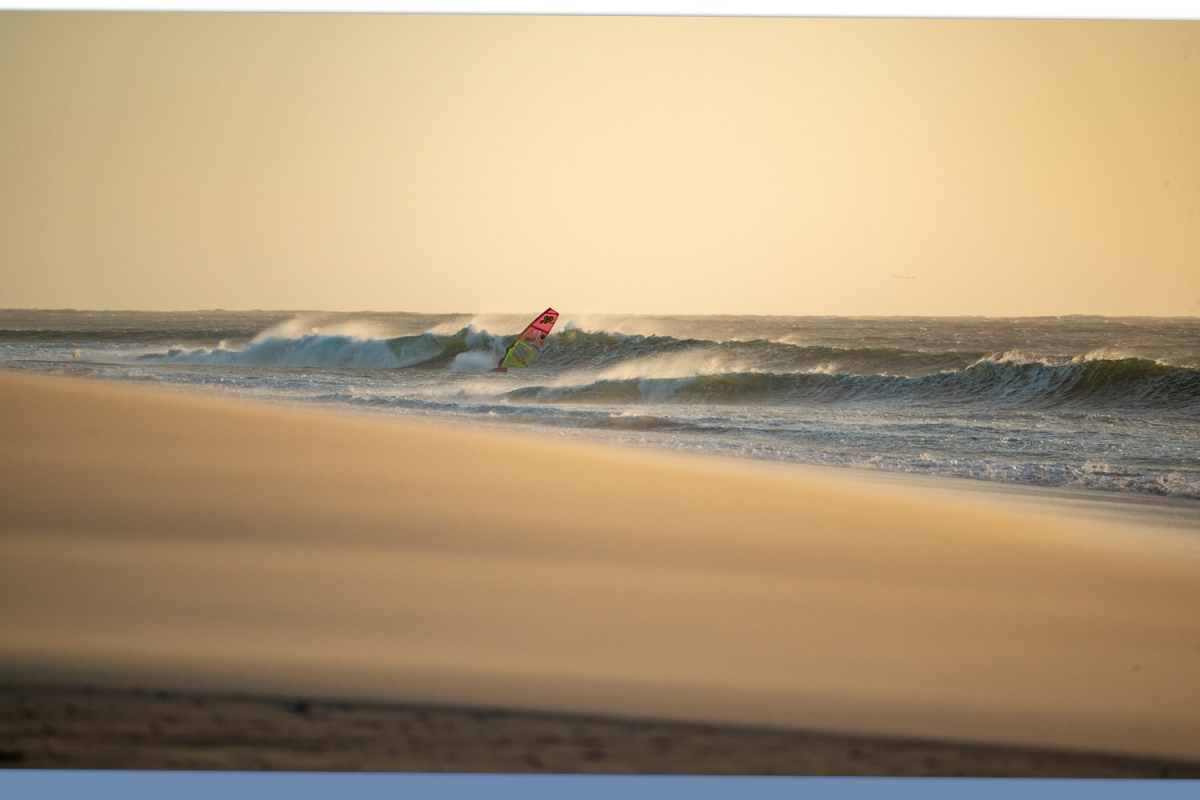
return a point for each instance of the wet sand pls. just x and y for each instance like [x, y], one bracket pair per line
[193, 545]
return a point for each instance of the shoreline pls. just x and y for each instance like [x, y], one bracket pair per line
[193, 543]
[1172, 514]
[1177, 517]
[1173, 510]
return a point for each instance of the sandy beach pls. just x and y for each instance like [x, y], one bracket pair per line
[178, 543]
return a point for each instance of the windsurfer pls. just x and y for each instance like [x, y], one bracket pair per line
[530, 341]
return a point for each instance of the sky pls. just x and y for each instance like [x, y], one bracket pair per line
[599, 164]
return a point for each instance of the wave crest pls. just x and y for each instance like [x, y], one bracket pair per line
[1131, 383]
[344, 350]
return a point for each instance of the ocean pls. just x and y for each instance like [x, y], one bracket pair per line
[1110, 405]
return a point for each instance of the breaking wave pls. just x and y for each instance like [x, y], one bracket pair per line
[598, 349]
[565, 350]
[339, 350]
[1125, 383]
[629, 369]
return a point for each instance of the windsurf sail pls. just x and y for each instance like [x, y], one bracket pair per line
[525, 349]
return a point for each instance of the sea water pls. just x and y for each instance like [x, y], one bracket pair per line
[1110, 405]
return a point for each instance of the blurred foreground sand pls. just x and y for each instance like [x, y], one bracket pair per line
[176, 542]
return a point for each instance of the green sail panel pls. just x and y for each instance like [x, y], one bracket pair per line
[525, 349]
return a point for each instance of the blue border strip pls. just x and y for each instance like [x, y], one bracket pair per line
[295, 786]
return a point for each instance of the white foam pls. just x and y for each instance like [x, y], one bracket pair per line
[1103, 354]
[688, 364]
[475, 361]
[313, 350]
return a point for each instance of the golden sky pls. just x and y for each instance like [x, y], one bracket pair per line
[599, 164]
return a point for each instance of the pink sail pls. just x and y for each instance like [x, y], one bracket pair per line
[525, 349]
